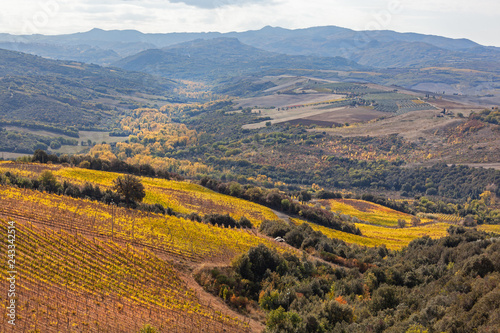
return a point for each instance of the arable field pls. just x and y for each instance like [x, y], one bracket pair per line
[341, 116]
[411, 125]
[285, 100]
[94, 136]
[324, 116]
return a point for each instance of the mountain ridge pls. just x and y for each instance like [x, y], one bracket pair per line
[222, 57]
[323, 41]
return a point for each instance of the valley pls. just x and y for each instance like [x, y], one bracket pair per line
[256, 181]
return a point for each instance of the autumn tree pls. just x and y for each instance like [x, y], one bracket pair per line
[130, 188]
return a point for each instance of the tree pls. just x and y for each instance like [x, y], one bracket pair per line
[129, 187]
[48, 181]
[304, 196]
[40, 156]
[281, 321]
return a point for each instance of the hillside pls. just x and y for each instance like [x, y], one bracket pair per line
[457, 66]
[65, 97]
[95, 266]
[318, 180]
[220, 58]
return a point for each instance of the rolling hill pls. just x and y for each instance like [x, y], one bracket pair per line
[221, 58]
[64, 97]
[84, 265]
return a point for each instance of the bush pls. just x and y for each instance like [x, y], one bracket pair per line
[383, 298]
[245, 223]
[274, 228]
[280, 321]
[254, 264]
[148, 329]
[221, 220]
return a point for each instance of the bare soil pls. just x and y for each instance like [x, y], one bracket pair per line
[11, 156]
[348, 114]
[94, 136]
[495, 166]
[411, 125]
[284, 100]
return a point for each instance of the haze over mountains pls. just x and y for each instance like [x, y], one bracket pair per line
[222, 57]
[379, 49]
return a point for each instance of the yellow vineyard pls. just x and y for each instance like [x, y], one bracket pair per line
[367, 211]
[495, 228]
[372, 235]
[188, 239]
[66, 282]
[182, 197]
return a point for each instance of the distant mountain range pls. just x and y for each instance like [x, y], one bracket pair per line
[221, 58]
[379, 49]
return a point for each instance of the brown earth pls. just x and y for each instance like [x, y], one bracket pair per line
[284, 100]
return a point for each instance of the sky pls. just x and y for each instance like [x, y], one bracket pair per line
[477, 20]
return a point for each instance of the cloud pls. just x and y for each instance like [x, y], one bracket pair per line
[211, 4]
[478, 20]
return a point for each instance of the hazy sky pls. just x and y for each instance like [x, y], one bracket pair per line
[478, 20]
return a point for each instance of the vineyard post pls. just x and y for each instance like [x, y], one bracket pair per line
[27, 314]
[97, 318]
[105, 313]
[3, 320]
[93, 222]
[37, 304]
[57, 311]
[112, 217]
[87, 308]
